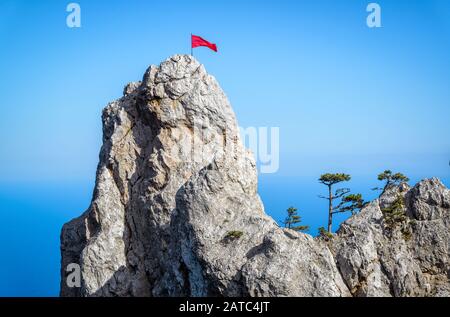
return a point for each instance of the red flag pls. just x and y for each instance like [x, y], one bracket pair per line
[198, 41]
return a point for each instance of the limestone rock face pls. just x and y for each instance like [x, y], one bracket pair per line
[175, 212]
[175, 209]
[411, 259]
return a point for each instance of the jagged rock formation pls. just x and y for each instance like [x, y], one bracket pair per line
[410, 259]
[176, 212]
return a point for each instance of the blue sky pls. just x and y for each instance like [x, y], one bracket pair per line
[345, 97]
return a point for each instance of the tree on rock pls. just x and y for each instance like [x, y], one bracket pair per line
[395, 212]
[293, 219]
[324, 234]
[351, 203]
[330, 180]
[391, 179]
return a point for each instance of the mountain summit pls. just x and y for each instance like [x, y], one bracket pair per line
[175, 212]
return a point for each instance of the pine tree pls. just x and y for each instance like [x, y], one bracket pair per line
[293, 219]
[394, 217]
[330, 180]
[395, 214]
[351, 203]
[391, 178]
[324, 234]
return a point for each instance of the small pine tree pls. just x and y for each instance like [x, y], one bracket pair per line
[351, 203]
[330, 180]
[293, 219]
[391, 179]
[395, 213]
[394, 216]
[324, 234]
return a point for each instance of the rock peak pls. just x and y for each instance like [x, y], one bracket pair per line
[175, 212]
[174, 68]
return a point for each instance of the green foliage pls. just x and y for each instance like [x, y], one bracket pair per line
[323, 233]
[350, 203]
[331, 179]
[234, 234]
[395, 215]
[292, 219]
[391, 178]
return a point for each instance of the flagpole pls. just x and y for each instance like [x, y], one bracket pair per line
[192, 51]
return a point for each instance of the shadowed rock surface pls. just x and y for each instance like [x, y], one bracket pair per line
[175, 212]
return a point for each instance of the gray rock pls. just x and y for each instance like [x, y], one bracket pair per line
[265, 261]
[410, 260]
[175, 212]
